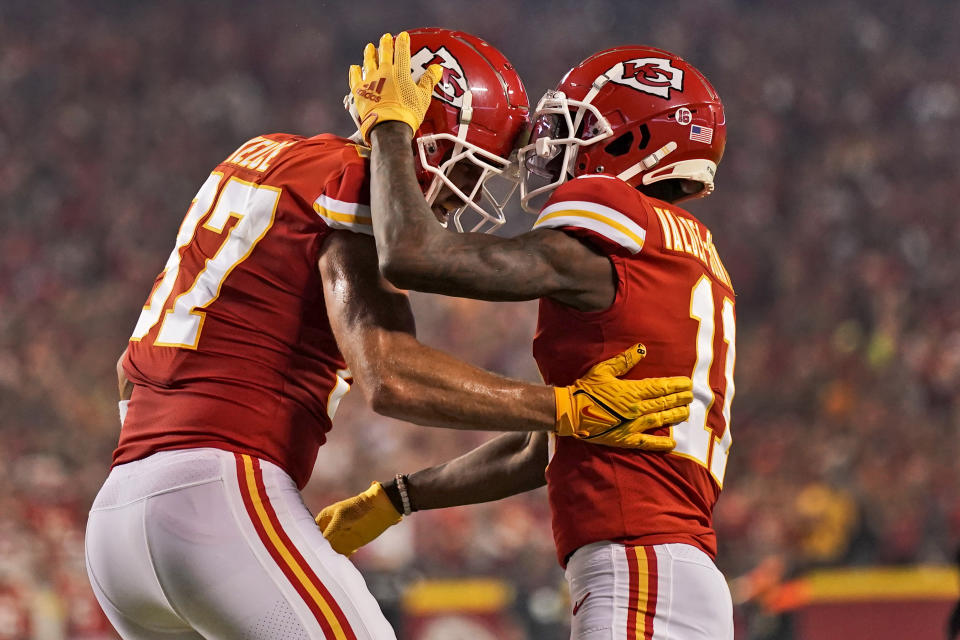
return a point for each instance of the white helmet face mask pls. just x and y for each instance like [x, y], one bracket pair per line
[540, 158]
[482, 210]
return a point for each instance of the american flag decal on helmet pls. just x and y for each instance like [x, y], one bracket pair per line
[701, 134]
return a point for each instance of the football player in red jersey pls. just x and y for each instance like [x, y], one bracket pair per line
[240, 357]
[629, 133]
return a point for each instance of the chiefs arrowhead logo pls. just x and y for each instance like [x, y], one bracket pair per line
[655, 76]
[453, 83]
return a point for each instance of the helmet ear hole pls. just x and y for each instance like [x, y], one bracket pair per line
[621, 145]
[644, 137]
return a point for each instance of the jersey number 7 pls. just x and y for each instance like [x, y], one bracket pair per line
[254, 206]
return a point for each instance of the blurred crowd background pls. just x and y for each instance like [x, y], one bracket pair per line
[835, 212]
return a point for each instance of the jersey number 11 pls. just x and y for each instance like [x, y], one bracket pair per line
[695, 439]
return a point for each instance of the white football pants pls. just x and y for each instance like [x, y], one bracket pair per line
[661, 592]
[203, 543]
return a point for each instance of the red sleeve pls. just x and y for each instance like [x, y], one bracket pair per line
[606, 212]
[344, 202]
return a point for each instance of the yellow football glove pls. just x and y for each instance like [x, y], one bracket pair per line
[602, 408]
[352, 523]
[385, 89]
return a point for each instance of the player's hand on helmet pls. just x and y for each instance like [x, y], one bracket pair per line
[385, 89]
[603, 409]
[349, 524]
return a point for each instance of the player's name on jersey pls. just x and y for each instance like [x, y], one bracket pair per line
[684, 235]
[258, 153]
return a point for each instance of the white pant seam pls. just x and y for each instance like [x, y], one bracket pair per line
[153, 569]
[154, 494]
[95, 580]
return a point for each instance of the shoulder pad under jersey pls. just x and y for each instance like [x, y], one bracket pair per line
[609, 209]
[344, 202]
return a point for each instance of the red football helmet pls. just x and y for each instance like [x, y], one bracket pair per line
[478, 110]
[637, 113]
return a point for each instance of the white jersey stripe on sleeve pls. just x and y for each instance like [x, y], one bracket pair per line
[608, 222]
[338, 214]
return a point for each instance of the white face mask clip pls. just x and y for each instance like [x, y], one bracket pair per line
[544, 147]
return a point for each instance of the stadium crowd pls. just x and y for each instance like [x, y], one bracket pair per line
[835, 214]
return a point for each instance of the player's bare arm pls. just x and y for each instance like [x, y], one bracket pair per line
[416, 252]
[374, 328]
[405, 379]
[507, 465]
[124, 386]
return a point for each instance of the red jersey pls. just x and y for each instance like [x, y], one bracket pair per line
[674, 296]
[233, 349]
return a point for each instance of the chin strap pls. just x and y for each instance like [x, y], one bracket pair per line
[463, 122]
[649, 162]
[466, 115]
[598, 84]
[569, 155]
